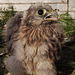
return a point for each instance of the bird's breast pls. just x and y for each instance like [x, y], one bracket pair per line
[36, 35]
[33, 55]
[38, 43]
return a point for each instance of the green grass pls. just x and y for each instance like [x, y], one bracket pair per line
[68, 24]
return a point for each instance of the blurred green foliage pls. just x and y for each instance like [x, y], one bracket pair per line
[5, 14]
[68, 24]
[67, 61]
[73, 73]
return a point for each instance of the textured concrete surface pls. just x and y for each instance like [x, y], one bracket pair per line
[21, 5]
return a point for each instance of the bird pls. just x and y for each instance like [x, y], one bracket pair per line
[34, 40]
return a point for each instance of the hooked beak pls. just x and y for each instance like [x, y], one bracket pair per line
[50, 17]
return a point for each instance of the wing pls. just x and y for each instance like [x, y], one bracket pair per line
[12, 28]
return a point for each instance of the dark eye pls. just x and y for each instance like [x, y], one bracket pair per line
[41, 12]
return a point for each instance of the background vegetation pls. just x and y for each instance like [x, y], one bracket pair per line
[6, 14]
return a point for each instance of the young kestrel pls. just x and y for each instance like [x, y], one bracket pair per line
[34, 41]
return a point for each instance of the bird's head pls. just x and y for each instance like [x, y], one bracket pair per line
[40, 22]
[40, 14]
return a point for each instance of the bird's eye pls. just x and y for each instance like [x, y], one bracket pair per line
[41, 12]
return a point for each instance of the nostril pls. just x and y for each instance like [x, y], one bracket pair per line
[56, 9]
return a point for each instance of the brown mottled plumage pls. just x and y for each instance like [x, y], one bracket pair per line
[34, 41]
